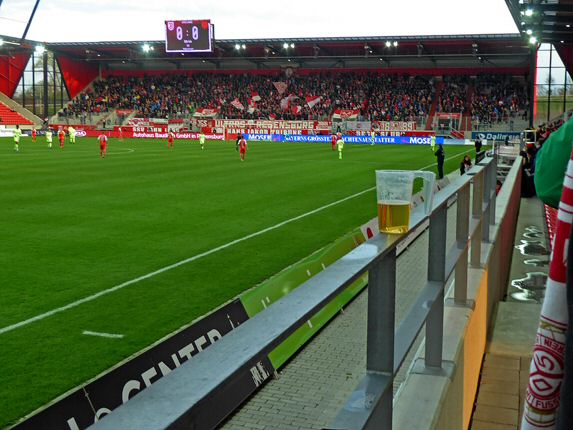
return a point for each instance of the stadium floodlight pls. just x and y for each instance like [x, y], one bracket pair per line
[529, 31]
[1, 42]
[388, 44]
[145, 47]
[238, 47]
[244, 46]
[562, 41]
[533, 40]
[292, 45]
[529, 12]
[285, 45]
[40, 49]
[568, 25]
[395, 43]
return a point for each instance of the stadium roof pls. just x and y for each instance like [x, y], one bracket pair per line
[447, 51]
[550, 21]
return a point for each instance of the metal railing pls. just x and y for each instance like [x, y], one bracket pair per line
[188, 393]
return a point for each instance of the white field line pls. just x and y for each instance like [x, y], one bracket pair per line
[108, 335]
[187, 260]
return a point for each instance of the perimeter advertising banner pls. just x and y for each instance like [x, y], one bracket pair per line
[128, 134]
[86, 405]
[259, 298]
[393, 140]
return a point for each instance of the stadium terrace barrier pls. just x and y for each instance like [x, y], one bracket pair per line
[217, 371]
[436, 399]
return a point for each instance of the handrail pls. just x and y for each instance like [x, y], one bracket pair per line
[181, 398]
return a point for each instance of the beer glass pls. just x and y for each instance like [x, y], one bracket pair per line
[394, 196]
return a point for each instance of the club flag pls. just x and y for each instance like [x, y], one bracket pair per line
[285, 102]
[296, 109]
[238, 104]
[311, 101]
[255, 96]
[281, 87]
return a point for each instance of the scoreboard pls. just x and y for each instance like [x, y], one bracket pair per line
[189, 36]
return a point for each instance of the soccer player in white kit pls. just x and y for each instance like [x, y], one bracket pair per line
[340, 145]
[49, 137]
[72, 133]
[202, 140]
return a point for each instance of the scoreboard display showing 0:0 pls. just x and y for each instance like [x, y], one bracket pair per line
[189, 36]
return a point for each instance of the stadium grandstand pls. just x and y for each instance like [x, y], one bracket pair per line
[283, 233]
[409, 82]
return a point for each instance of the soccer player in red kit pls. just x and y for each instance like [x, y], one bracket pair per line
[242, 148]
[61, 136]
[34, 134]
[334, 140]
[102, 145]
[170, 138]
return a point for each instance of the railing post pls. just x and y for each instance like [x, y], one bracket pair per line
[462, 233]
[477, 215]
[486, 207]
[437, 275]
[380, 336]
[493, 184]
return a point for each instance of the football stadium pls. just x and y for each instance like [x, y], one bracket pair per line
[210, 219]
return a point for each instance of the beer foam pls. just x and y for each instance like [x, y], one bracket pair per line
[394, 202]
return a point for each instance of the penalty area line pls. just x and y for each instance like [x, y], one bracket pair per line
[98, 334]
[102, 293]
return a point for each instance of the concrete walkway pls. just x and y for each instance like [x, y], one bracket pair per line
[505, 371]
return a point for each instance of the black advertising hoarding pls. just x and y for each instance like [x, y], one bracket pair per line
[86, 405]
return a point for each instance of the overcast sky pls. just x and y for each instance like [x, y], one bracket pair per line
[95, 20]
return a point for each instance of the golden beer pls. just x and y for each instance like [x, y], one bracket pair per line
[393, 216]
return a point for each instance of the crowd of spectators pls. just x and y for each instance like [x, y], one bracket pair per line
[378, 97]
[399, 98]
[453, 95]
[498, 98]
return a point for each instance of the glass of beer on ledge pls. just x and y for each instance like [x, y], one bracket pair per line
[394, 196]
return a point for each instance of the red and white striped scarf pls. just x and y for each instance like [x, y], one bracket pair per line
[546, 371]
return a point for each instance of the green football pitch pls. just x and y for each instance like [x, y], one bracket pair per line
[74, 225]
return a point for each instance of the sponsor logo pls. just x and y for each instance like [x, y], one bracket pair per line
[420, 140]
[493, 135]
[81, 133]
[259, 137]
